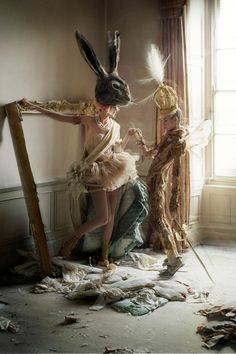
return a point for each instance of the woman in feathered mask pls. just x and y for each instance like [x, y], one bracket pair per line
[163, 218]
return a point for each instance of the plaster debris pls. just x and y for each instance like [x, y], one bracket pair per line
[69, 320]
[220, 312]
[16, 341]
[221, 325]
[123, 351]
[3, 304]
[8, 325]
[84, 345]
[198, 296]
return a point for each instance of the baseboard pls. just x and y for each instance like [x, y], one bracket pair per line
[221, 234]
[15, 230]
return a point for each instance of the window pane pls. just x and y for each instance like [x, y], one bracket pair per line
[195, 92]
[225, 156]
[225, 94]
[225, 69]
[226, 24]
[225, 113]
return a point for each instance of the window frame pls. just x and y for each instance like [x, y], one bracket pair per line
[210, 91]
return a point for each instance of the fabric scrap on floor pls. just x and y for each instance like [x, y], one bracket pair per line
[145, 262]
[221, 326]
[138, 306]
[134, 292]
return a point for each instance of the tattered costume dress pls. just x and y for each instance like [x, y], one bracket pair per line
[167, 159]
[104, 166]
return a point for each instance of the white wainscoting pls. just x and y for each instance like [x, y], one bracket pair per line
[15, 231]
[212, 218]
[194, 231]
[218, 216]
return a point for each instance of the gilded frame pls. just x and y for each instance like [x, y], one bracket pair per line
[15, 112]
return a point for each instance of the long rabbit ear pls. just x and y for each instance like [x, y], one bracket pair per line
[89, 55]
[114, 50]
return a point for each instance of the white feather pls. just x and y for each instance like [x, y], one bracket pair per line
[156, 64]
[146, 99]
[145, 81]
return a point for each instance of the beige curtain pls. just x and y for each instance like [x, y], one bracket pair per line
[172, 43]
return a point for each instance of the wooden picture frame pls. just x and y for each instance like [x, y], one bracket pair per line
[15, 111]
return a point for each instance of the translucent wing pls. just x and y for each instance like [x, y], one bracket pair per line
[199, 136]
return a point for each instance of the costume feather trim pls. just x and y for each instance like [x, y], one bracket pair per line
[156, 64]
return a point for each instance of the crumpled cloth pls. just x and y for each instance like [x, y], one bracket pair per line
[136, 308]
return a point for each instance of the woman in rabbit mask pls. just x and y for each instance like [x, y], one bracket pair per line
[105, 165]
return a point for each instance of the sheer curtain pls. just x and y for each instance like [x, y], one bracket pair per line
[173, 44]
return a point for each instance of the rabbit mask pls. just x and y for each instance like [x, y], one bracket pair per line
[111, 90]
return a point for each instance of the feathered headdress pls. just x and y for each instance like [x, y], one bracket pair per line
[165, 96]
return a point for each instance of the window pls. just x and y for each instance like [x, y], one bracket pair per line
[224, 95]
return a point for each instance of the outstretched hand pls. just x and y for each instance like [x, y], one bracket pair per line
[25, 102]
[132, 131]
[76, 119]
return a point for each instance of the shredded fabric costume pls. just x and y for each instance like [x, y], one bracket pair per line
[104, 166]
[161, 225]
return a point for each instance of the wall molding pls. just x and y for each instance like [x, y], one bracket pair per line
[15, 230]
[212, 218]
[218, 213]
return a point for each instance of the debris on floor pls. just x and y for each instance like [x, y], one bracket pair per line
[221, 326]
[8, 325]
[123, 351]
[134, 288]
[70, 320]
[136, 307]
[220, 313]
[118, 351]
[3, 304]
[30, 267]
[126, 289]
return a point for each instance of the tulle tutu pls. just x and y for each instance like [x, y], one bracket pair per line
[108, 172]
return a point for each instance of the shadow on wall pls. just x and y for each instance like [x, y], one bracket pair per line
[2, 120]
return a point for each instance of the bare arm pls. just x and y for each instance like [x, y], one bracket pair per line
[61, 117]
[148, 151]
[127, 136]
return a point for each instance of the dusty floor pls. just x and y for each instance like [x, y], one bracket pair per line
[169, 329]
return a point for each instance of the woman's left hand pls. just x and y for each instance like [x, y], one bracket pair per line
[76, 119]
[132, 131]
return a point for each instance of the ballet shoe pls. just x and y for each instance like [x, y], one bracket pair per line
[108, 265]
[171, 269]
[103, 263]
